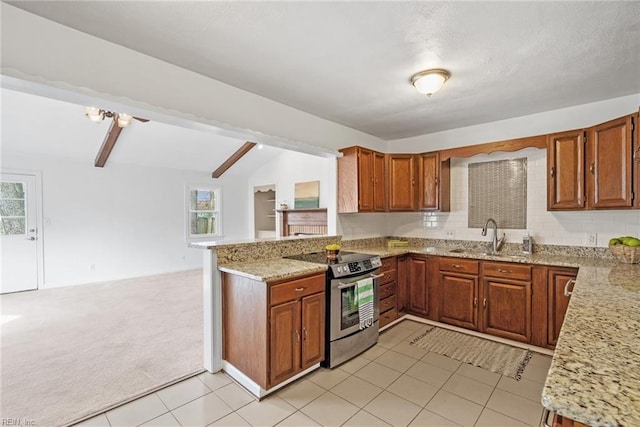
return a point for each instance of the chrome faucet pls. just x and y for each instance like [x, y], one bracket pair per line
[495, 244]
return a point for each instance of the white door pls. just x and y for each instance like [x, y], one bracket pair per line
[18, 233]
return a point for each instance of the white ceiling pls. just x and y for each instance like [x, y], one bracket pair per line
[351, 62]
[35, 124]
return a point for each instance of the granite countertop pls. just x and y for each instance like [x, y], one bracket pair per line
[273, 269]
[594, 376]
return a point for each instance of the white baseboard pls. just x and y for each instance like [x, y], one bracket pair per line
[252, 386]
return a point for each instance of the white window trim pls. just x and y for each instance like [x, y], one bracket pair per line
[187, 212]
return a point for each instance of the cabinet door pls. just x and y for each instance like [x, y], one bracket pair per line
[565, 171]
[557, 302]
[458, 300]
[379, 183]
[284, 341]
[365, 180]
[401, 182]
[428, 185]
[610, 162]
[506, 307]
[313, 321]
[418, 296]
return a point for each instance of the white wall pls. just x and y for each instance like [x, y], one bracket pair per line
[123, 220]
[291, 167]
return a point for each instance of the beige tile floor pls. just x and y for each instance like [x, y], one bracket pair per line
[393, 383]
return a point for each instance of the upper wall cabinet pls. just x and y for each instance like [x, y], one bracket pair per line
[402, 182]
[361, 181]
[433, 182]
[592, 168]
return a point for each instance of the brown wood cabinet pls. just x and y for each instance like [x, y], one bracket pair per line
[506, 300]
[557, 301]
[361, 181]
[433, 182]
[402, 182]
[490, 297]
[388, 291]
[401, 283]
[593, 168]
[417, 286]
[273, 331]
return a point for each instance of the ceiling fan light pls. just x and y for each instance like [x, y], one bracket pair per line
[430, 81]
[94, 114]
[124, 120]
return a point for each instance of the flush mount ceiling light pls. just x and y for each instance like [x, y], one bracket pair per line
[430, 81]
[96, 115]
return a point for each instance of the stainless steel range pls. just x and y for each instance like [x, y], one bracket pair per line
[344, 336]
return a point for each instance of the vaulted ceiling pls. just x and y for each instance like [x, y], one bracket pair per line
[351, 62]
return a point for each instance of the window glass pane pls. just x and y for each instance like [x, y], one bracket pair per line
[11, 190]
[203, 223]
[202, 200]
[12, 226]
[11, 207]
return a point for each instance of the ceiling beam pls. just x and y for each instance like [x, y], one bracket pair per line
[107, 145]
[233, 158]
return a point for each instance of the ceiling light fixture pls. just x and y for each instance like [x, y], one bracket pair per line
[430, 81]
[97, 115]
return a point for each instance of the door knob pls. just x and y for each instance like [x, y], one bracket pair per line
[31, 238]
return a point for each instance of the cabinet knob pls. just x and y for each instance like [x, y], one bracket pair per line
[297, 336]
[484, 303]
[475, 302]
[553, 172]
[592, 168]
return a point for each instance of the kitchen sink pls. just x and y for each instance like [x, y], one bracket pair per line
[472, 252]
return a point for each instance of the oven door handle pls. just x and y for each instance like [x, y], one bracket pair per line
[343, 285]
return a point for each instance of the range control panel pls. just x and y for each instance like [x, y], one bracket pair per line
[356, 267]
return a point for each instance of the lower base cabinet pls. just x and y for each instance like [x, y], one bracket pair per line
[273, 331]
[559, 281]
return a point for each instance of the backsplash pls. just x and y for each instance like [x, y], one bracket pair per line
[547, 228]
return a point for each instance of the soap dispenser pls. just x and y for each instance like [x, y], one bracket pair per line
[527, 244]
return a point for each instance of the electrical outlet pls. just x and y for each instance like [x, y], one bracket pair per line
[591, 239]
[450, 234]
[183, 258]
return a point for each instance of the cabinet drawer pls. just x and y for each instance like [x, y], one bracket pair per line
[294, 289]
[506, 270]
[387, 303]
[389, 263]
[387, 290]
[459, 265]
[387, 317]
[388, 276]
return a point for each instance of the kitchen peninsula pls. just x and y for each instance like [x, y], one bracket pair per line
[595, 372]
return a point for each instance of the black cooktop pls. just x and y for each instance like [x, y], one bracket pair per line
[347, 263]
[321, 257]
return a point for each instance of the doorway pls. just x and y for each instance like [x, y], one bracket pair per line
[19, 243]
[264, 211]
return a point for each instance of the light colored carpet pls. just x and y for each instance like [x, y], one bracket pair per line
[67, 353]
[496, 357]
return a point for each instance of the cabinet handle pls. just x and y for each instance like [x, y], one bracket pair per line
[297, 336]
[436, 180]
[300, 289]
[475, 302]
[504, 271]
[566, 292]
[456, 266]
[484, 303]
[592, 168]
[553, 172]
[304, 334]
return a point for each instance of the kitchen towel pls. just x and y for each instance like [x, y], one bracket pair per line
[364, 293]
